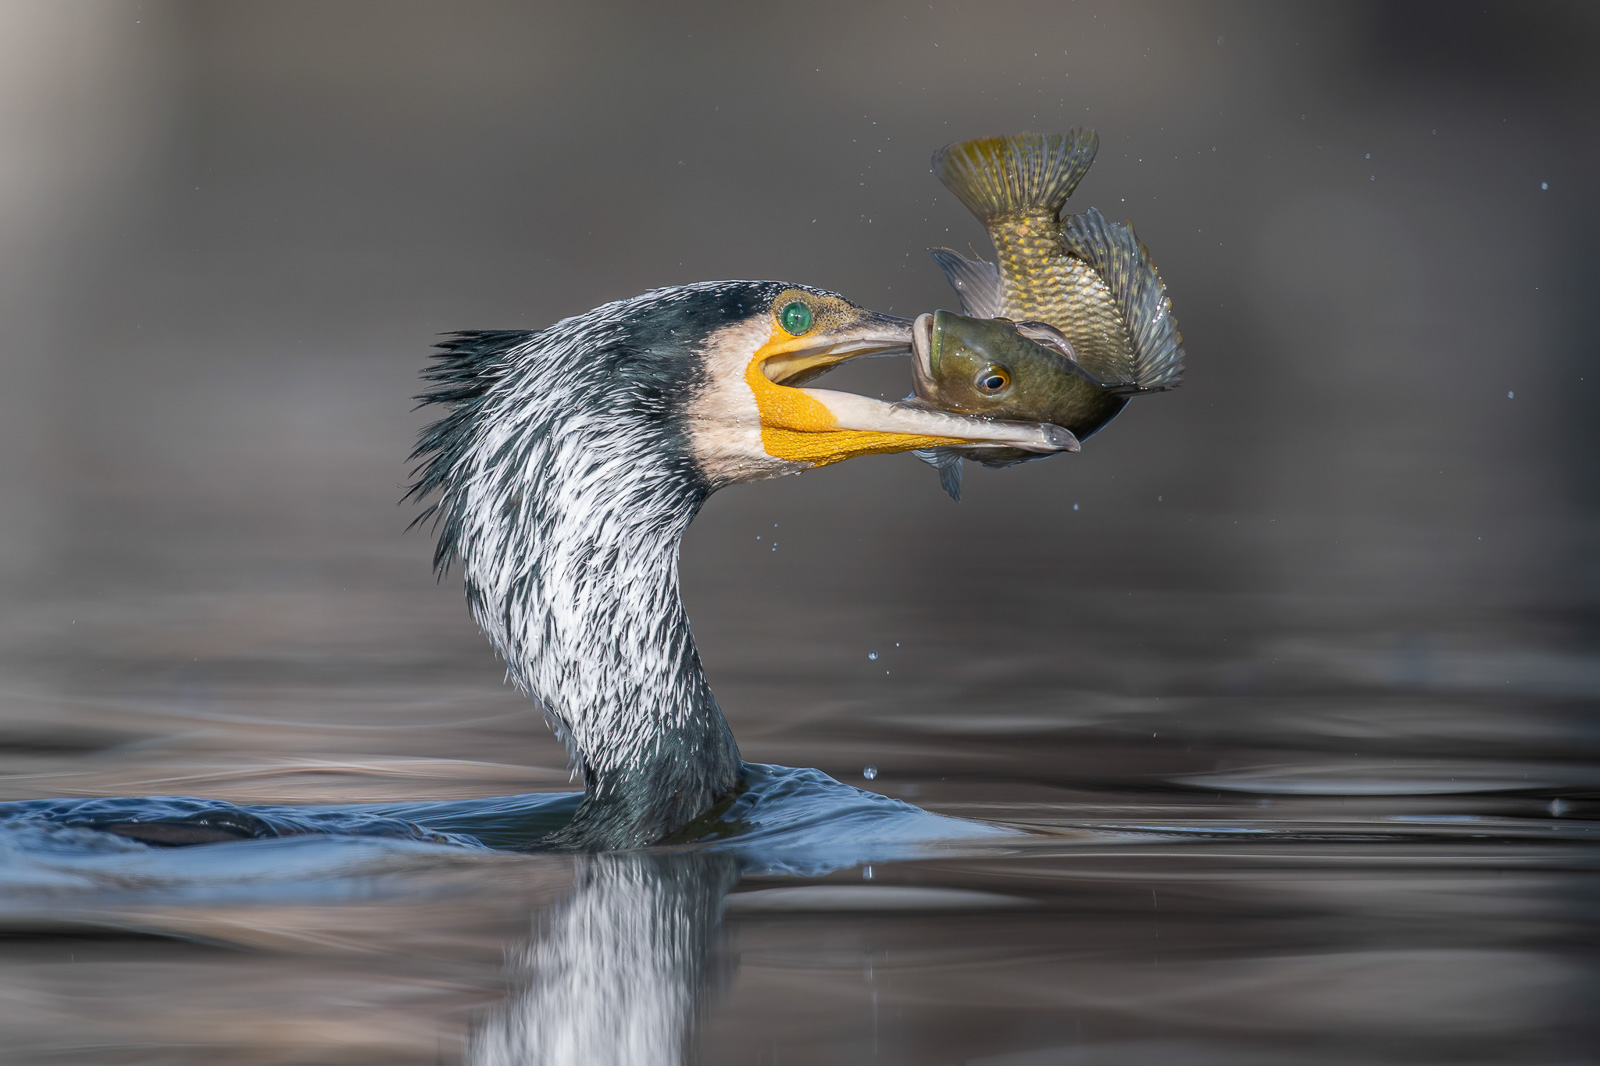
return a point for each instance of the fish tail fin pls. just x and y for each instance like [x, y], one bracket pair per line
[1024, 174]
[948, 462]
[1122, 260]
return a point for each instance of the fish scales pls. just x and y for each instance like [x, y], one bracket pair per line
[1067, 294]
[1092, 280]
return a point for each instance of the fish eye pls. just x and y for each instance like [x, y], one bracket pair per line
[994, 379]
[795, 318]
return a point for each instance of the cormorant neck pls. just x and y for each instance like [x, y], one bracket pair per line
[565, 501]
[584, 606]
[590, 621]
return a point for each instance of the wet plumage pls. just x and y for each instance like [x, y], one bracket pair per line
[568, 464]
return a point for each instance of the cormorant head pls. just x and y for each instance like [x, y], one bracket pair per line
[748, 416]
[657, 400]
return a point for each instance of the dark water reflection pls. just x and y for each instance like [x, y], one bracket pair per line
[1334, 911]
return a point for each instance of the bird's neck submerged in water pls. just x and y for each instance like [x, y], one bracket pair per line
[584, 606]
[566, 518]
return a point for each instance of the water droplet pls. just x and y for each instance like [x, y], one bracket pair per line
[1558, 807]
[872, 655]
[1544, 185]
[1511, 395]
[1369, 155]
[1074, 507]
[869, 772]
[866, 873]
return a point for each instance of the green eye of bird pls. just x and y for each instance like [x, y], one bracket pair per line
[795, 317]
[993, 380]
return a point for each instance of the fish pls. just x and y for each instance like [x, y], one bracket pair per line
[1090, 282]
[997, 368]
[1019, 371]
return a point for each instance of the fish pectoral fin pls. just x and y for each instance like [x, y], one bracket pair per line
[1123, 388]
[1068, 362]
[1052, 339]
[948, 462]
[1133, 388]
[976, 281]
[1115, 388]
[1123, 262]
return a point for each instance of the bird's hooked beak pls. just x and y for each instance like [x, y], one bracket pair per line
[820, 426]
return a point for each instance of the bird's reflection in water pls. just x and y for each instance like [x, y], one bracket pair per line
[1221, 938]
[617, 973]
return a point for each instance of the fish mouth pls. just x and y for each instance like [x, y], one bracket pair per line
[924, 355]
[821, 426]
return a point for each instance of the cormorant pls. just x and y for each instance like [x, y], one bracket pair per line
[568, 466]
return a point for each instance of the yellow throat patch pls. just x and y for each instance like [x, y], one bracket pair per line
[800, 428]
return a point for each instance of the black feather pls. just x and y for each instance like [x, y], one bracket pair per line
[527, 416]
[465, 368]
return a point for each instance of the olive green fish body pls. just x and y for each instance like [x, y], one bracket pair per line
[1043, 283]
[994, 368]
[1090, 279]
[1067, 293]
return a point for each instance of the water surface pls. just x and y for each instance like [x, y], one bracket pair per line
[1359, 849]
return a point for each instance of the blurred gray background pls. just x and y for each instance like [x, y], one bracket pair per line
[232, 230]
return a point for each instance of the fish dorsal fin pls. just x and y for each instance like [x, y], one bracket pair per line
[976, 281]
[1123, 262]
[1024, 174]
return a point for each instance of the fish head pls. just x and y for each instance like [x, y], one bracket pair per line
[990, 366]
[769, 355]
